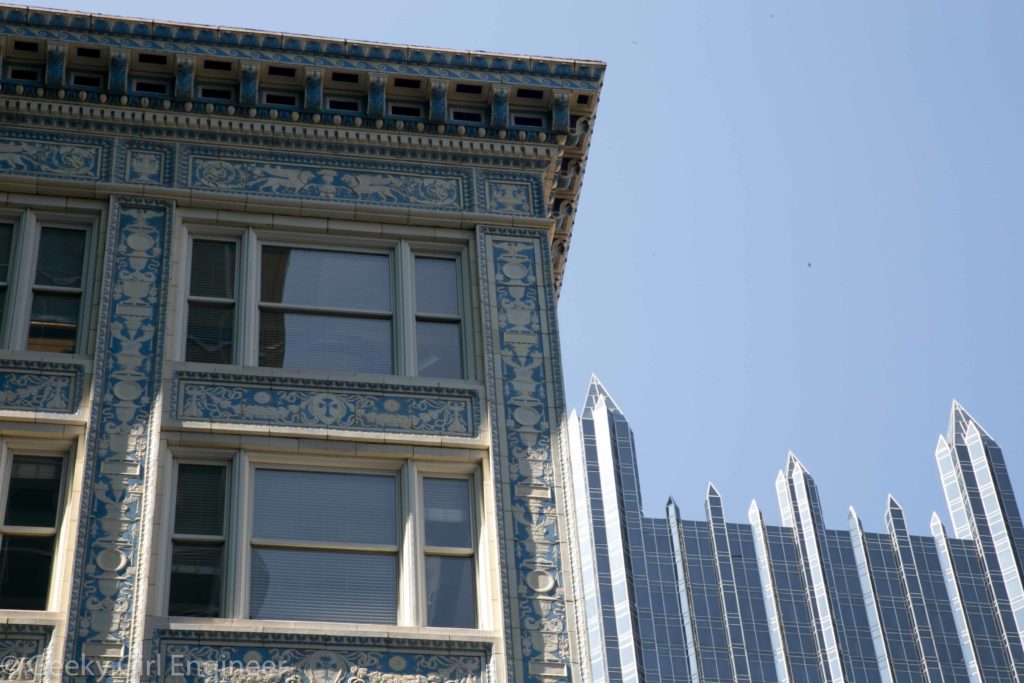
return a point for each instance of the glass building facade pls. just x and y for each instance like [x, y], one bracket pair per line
[668, 599]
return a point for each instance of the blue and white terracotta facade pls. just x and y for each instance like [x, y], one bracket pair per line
[673, 600]
[142, 168]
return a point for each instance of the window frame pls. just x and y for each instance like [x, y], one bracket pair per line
[410, 551]
[402, 252]
[423, 550]
[21, 287]
[59, 450]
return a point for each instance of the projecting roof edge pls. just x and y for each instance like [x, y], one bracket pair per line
[129, 32]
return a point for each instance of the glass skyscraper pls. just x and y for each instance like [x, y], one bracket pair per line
[671, 600]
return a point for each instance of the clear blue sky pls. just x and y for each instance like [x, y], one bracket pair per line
[801, 227]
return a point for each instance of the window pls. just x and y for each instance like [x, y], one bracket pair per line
[33, 491]
[325, 545]
[387, 309]
[449, 568]
[43, 276]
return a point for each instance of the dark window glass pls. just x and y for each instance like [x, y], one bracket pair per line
[25, 563]
[33, 495]
[211, 308]
[451, 591]
[213, 269]
[196, 579]
[61, 255]
[197, 553]
[211, 333]
[199, 505]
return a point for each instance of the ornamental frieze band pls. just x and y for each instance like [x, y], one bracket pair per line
[319, 404]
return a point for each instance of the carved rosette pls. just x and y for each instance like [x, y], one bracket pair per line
[519, 324]
[108, 600]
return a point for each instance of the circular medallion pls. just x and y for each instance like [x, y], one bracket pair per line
[111, 560]
[526, 416]
[540, 581]
[127, 391]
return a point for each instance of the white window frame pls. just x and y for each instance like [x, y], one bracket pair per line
[402, 253]
[28, 225]
[411, 551]
[423, 550]
[9, 448]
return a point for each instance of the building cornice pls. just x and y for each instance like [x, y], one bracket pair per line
[85, 72]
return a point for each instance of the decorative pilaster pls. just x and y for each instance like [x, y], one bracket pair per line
[108, 599]
[524, 395]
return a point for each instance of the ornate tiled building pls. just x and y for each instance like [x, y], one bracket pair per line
[280, 394]
[672, 600]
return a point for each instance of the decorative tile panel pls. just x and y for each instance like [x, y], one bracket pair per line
[329, 178]
[110, 574]
[148, 164]
[521, 352]
[320, 404]
[24, 651]
[229, 657]
[66, 156]
[42, 387]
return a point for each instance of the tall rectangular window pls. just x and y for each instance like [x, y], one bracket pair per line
[325, 310]
[324, 547]
[438, 318]
[44, 269]
[57, 290]
[33, 492]
[211, 302]
[198, 541]
[449, 566]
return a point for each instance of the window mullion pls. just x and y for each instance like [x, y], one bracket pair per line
[410, 578]
[248, 294]
[405, 312]
[242, 545]
[27, 242]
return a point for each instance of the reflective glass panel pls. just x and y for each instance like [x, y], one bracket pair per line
[325, 506]
[319, 342]
[323, 586]
[326, 279]
[54, 323]
[437, 286]
[451, 592]
[61, 254]
[446, 505]
[211, 333]
[439, 349]
[34, 492]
